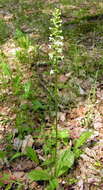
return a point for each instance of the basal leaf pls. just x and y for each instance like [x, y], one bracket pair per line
[37, 175]
[8, 187]
[65, 162]
[82, 139]
[17, 155]
[48, 162]
[53, 184]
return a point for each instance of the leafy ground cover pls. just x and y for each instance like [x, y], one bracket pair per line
[27, 100]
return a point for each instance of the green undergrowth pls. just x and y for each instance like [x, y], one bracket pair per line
[4, 31]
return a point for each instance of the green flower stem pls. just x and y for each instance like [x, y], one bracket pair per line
[56, 55]
[56, 119]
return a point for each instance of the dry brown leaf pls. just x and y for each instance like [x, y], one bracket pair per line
[18, 175]
[63, 78]
[61, 116]
[27, 142]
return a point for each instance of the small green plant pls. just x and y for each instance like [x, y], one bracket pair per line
[22, 56]
[65, 161]
[22, 39]
[7, 182]
[16, 84]
[4, 31]
[6, 73]
[88, 119]
[27, 52]
[89, 115]
[80, 142]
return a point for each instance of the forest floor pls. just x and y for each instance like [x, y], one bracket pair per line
[26, 105]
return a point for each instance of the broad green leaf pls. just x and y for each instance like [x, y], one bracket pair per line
[53, 184]
[17, 155]
[48, 162]
[8, 187]
[77, 152]
[31, 153]
[82, 139]
[65, 161]
[37, 175]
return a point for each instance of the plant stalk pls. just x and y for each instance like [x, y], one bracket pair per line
[56, 116]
